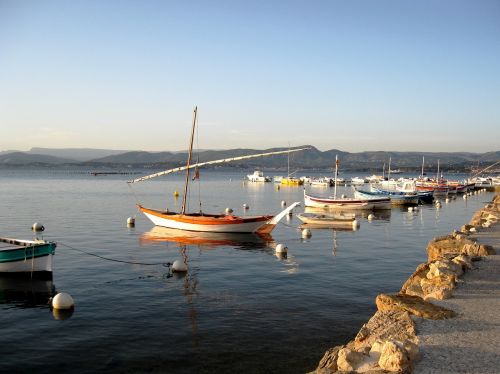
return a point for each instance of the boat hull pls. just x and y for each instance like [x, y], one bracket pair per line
[347, 203]
[20, 256]
[206, 223]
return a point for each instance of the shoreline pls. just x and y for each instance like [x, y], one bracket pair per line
[443, 318]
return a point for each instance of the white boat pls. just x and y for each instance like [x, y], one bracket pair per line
[26, 256]
[207, 222]
[357, 181]
[258, 176]
[328, 220]
[345, 203]
[321, 182]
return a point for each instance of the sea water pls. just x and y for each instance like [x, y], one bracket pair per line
[239, 308]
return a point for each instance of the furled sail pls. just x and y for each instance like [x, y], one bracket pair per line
[181, 168]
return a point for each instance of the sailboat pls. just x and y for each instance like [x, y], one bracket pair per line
[290, 180]
[345, 203]
[205, 222]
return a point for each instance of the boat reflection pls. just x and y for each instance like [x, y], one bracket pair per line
[26, 293]
[206, 239]
[380, 215]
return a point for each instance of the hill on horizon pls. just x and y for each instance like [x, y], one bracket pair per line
[309, 159]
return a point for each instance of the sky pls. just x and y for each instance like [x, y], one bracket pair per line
[390, 75]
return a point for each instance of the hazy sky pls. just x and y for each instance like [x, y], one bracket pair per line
[353, 75]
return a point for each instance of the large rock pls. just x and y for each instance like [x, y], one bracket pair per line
[384, 326]
[413, 305]
[439, 287]
[412, 284]
[444, 267]
[394, 357]
[478, 250]
[329, 359]
[464, 261]
[349, 360]
[440, 246]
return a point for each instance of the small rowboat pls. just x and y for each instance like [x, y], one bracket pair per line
[26, 256]
[327, 220]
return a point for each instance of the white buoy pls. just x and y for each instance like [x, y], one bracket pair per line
[410, 209]
[283, 203]
[37, 227]
[63, 301]
[281, 249]
[245, 206]
[179, 266]
[415, 208]
[343, 196]
[229, 211]
[131, 221]
[306, 233]
[438, 204]
[371, 216]
[447, 200]
[355, 224]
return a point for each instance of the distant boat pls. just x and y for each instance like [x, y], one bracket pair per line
[345, 203]
[207, 222]
[330, 221]
[357, 181]
[321, 182]
[26, 256]
[290, 180]
[258, 176]
[396, 197]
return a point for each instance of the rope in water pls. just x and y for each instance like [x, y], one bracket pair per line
[165, 264]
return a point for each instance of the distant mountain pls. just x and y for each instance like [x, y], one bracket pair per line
[309, 159]
[23, 158]
[78, 154]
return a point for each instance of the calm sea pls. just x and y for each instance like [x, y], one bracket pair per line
[239, 309]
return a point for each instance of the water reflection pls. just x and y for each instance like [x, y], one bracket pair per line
[206, 239]
[24, 292]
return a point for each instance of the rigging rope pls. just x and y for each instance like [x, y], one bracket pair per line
[165, 264]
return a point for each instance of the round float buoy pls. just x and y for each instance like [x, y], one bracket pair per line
[410, 209]
[342, 196]
[63, 301]
[438, 204]
[465, 196]
[245, 206]
[355, 224]
[179, 266]
[281, 249]
[229, 211]
[447, 200]
[176, 193]
[130, 221]
[306, 233]
[283, 203]
[371, 216]
[37, 227]
[415, 208]
[278, 187]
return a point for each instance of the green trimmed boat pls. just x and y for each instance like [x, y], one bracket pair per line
[26, 256]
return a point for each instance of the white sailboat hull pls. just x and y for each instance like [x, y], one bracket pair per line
[247, 227]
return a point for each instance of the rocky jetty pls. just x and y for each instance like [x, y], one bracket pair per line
[388, 342]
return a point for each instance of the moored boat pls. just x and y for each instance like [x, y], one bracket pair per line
[346, 203]
[26, 256]
[258, 176]
[396, 197]
[328, 220]
[207, 222]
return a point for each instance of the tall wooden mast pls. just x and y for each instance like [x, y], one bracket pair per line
[190, 154]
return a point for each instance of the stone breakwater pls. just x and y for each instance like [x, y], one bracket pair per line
[388, 342]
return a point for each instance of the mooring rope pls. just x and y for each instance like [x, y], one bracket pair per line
[165, 264]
